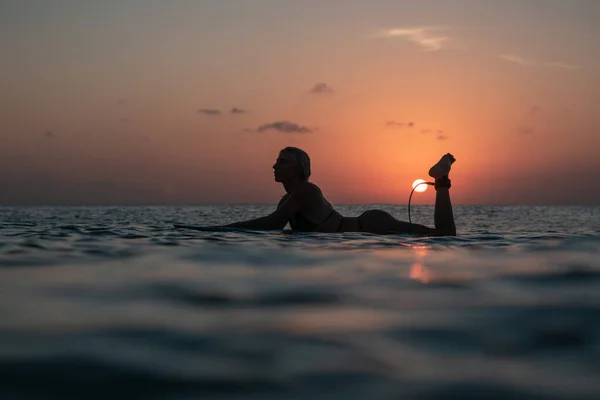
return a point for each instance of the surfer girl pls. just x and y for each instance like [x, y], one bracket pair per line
[307, 210]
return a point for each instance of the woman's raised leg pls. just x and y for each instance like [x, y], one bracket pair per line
[381, 222]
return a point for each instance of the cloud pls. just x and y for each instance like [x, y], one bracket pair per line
[321, 88]
[536, 64]
[439, 132]
[539, 109]
[534, 110]
[284, 126]
[423, 36]
[236, 110]
[516, 59]
[526, 131]
[396, 124]
[209, 111]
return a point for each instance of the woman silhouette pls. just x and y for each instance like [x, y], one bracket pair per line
[307, 210]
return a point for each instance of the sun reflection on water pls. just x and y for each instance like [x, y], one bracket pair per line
[418, 270]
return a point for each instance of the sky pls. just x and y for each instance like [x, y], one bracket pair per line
[190, 101]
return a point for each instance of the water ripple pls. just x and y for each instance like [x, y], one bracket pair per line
[95, 298]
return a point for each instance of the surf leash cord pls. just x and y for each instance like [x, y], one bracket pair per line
[410, 197]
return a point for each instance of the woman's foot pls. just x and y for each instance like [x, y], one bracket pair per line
[442, 168]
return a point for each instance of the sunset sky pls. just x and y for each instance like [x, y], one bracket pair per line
[189, 101]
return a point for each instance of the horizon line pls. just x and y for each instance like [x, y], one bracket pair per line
[274, 204]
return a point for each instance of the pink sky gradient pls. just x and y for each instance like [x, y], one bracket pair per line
[116, 103]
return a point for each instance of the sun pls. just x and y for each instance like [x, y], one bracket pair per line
[422, 186]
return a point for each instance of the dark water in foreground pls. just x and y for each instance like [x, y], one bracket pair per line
[114, 302]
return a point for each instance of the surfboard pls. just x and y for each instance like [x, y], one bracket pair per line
[207, 228]
[224, 229]
[217, 228]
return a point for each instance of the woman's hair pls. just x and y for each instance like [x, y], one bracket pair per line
[301, 158]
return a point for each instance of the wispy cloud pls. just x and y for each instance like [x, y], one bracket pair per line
[285, 127]
[236, 110]
[209, 111]
[321, 88]
[440, 133]
[539, 109]
[424, 36]
[536, 64]
[396, 124]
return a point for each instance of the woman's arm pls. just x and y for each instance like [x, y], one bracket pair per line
[263, 223]
[277, 220]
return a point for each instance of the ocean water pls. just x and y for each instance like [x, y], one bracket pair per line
[105, 302]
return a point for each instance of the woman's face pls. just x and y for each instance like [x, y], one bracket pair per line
[285, 168]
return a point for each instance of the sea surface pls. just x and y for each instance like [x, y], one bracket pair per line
[114, 302]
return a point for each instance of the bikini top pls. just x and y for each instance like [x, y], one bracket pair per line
[301, 223]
